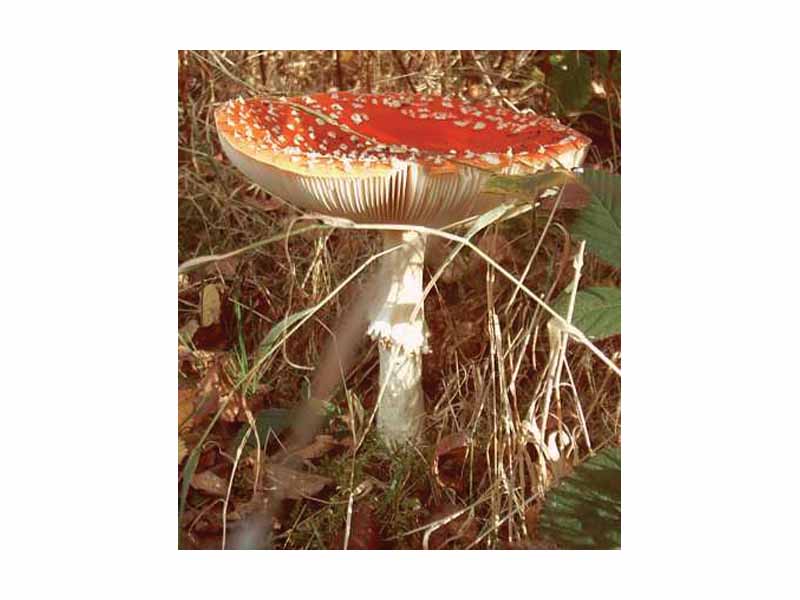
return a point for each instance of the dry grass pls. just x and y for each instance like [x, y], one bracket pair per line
[477, 479]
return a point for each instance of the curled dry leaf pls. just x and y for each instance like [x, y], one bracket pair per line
[365, 532]
[210, 483]
[226, 267]
[210, 305]
[321, 445]
[462, 529]
[296, 484]
[448, 461]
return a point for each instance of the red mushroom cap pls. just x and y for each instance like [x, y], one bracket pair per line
[403, 158]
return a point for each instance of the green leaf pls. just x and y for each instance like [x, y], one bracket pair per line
[597, 313]
[571, 80]
[600, 223]
[528, 186]
[277, 330]
[584, 511]
[270, 419]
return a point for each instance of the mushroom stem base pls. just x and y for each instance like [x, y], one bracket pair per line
[399, 326]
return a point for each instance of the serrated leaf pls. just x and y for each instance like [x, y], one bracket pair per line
[571, 80]
[270, 419]
[597, 313]
[584, 511]
[600, 223]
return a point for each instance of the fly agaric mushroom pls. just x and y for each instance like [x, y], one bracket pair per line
[408, 159]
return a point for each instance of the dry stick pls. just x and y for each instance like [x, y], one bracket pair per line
[338, 69]
[554, 378]
[486, 78]
[338, 354]
[611, 132]
[354, 332]
[439, 522]
[201, 514]
[404, 70]
[536, 248]
[581, 418]
[308, 420]
[199, 261]
[577, 334]
[239, 450]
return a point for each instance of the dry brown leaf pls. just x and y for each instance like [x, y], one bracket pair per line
[321, 445]
[185, 407]
[226, 267]
[211, 305]
[296, 484]
[365, 532]
[448, 461]
[462, 529]
[210, 483]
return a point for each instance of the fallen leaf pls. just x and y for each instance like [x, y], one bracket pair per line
[185, 407]
[462, 528]
[226, 267]
[296, 484]
[448, 460]
[365, 532]
[211, 304]
[210, 483]
[321, 445]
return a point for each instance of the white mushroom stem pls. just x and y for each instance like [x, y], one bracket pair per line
[402, 338]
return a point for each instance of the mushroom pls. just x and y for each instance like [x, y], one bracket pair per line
[401, 159]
